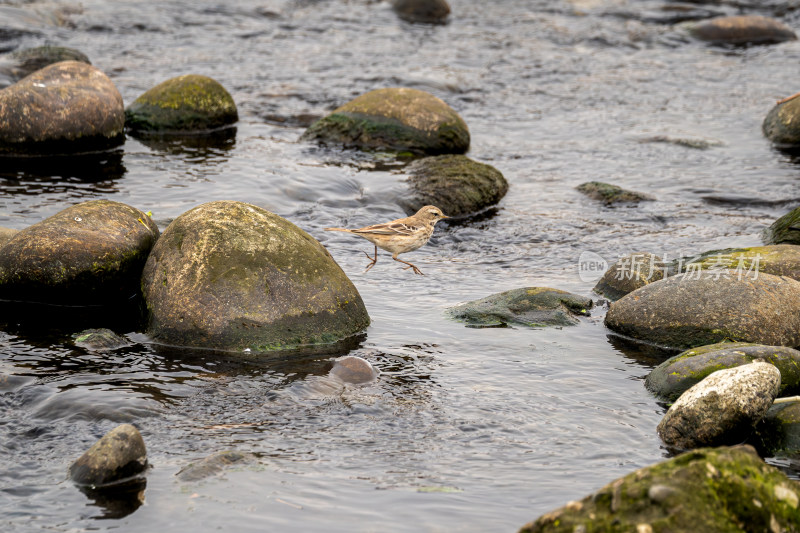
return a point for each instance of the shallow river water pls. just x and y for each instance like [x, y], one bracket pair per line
[465, 429]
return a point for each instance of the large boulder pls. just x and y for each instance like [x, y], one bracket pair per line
[424, 11]
[456, 184]
[396, 119]
[706, 307]
[184, 104]
[677, 374]
[233, 276]
[785, 230]
[118, 456]
[20, 63]
[67, 107]
[530, 306]
[723, 408]
[610, 194]
[629, 273]
[90, 253]
[779, 260]
[742, 30]
[782, 123]
[710, 489]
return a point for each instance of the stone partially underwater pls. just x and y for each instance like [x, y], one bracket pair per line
[530, 306]
[116, 458]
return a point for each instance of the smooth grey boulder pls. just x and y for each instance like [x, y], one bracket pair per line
[118, 456]
[723, 408]
[529, 306]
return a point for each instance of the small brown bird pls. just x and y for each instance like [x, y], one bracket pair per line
[401, 235]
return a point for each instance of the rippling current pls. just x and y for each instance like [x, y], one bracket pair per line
[465, 429]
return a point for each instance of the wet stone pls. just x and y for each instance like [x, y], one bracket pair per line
[99, 340]
[785, 230]
[742, 30]
[355, 370]
[778, 260]
[721, 409]
[782, 123]
[215, 464]
[422, 11]
[630, 273]
[611, 194]
[118, 456]
[20, 63]
[778, 433]
[530, 306]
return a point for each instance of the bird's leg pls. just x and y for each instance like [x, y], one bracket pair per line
[372, 259]
[416, 270]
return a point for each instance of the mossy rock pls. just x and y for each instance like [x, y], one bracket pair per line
[68, 107]
[611, 194]
[87, 254]
[710, 489]
[742, 30]
[394, 119]
[185, 104]
[778, 260]
[778, 434]
[630, 273]
[782, 123]
[422, 11]
[674, 376]
[21, 63]
[785, 230]
[100, 340]
[119, 455]
[530, 306]
[456, 184]
[705, 307]
[232, 276]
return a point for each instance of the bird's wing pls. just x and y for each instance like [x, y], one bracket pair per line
[390, 228]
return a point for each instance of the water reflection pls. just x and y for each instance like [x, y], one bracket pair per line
[32, 175]
[205, 148]
[645, 354]
[118, 501]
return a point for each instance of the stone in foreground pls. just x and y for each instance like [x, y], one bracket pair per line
[456, 184]
[706, 490]
[723, 408]
[67, 107]
[631, 272]
[186, 104]
[394, 119]
[530, 306]
[705, 307]
[117, 457]
[677, 374]
[90, 253]
[232, 276]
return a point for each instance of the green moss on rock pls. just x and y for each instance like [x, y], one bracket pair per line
[785, 230]
[189, 103]
[611, 194]
[117, 456]
[778, 434]
[778, 260]
[394, 119]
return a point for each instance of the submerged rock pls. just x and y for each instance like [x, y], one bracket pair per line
[723, 408]
[785, 230]
[185, 104]
[742, 30]
[456, 184]
[778, 433]
[395, 119]
[705, 307]
[20, 63]
[215, 464]
[531, 306]
[711, 489]
[611, 194]
[90, 253]
[674, 376]
[424, 11]
[99, 340]
[115, 458]
[232, 276]
[352, 369]
[67, 107]
[782, 123]
[779, 260]
[630, 273]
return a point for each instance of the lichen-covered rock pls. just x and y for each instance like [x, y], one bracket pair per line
[90, 253]
[100, 340]
[611, 194]
[630, 273]
[185, 104]
[424, 11]
[119, 455]
[778, 433]
[779, 260]
[710, 489]
[233, 276]
[782, 123]
[6, 234]
[742, 30]
[397, 119]
[723, 408]
[677, 374]
[352, 369]
[785, 230]
[706, 307]
[215, 464]
[456, 184]
[530, 306]
[67, 107]
[20, 63]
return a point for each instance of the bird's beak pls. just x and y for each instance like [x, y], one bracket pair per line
[445, 216]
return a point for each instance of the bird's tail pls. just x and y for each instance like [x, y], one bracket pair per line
[339, 229]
